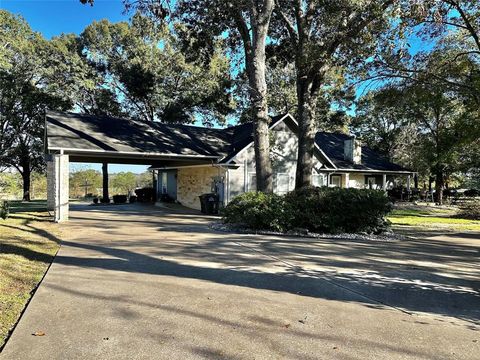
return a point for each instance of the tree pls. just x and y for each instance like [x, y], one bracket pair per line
[124, 182]
[443, 132]
[85, 181]
[321, 35]
[24, 96]
[245, 24]
[145, 179]
[144, 68]
[382, 122]
[80, 81]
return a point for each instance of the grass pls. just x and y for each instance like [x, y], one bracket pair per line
[432, 218]
[28, 244]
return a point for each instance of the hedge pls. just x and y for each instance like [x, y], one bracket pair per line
[255, 210]
[320, 210]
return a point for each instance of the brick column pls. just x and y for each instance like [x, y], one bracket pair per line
[57, 186]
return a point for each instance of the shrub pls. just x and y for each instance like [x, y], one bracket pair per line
[322, 210]
[145, 194]
[472, 192]
[470, 210]
[256, 210]
[335, 210]
[119, 199]
[132, 199]
[4, 210]
[95, 200]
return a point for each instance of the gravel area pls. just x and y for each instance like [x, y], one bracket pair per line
[238, 228]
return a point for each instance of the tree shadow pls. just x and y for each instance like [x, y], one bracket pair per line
[25, 252]
[414, 274]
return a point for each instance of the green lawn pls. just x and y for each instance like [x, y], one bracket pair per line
[432, 218]
[28, 244]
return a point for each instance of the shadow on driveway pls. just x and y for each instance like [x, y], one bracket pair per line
[417, 274]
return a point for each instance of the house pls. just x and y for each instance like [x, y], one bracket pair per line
[340, 161]
[189, 160]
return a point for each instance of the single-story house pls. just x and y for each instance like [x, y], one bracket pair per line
[190, 160]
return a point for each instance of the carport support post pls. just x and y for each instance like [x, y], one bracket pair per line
[105, 181]
[57, 186]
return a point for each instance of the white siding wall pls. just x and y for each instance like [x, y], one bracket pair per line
[284, 161]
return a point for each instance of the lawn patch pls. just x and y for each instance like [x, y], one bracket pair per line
[445, 219]
[28, 244]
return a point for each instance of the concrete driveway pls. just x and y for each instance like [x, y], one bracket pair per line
[139, 282]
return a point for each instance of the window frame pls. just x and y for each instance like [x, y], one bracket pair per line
[336, 176]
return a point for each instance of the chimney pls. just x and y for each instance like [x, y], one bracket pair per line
[352, 150]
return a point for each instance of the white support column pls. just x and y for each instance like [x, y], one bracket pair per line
[57, 186]
[347, 180]
[384, 182]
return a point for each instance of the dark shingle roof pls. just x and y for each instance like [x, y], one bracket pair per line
[101, 133]
[332, 145]
[78, 131]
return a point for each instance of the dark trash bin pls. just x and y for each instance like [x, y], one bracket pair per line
[209, 203]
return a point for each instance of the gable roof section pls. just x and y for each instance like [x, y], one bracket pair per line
[241, 137]
[333, 144]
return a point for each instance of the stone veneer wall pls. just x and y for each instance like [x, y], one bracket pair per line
[194, 181]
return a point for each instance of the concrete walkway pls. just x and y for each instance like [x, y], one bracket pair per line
[135, 282]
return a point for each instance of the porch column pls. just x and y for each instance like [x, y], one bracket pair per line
[384, 182]
[105, 181]
[408, 187]
[347, 180]
[57, 186]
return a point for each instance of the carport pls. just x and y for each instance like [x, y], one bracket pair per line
[82, 138]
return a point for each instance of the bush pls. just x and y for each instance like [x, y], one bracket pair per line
[145, 194]
[256, 210]
[321, 210]
[4, 210]
[132, 199]
[335, 210]
[95, 200]
[472, 192]
[470, 210]
[119, 199]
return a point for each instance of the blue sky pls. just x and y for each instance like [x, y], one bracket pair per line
[64, 16]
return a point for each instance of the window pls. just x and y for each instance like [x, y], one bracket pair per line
[164, 182]
[336, 180]
[318, 180]
[281, 183]
[371, 182]
[252, 182]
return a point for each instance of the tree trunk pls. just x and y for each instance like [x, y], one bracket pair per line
[439, 187]
[26, 174]
[105, 182]
[306, 132]
[258, 96]
[260, 21]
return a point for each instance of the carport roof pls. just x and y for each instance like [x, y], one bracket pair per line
[102, 138]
